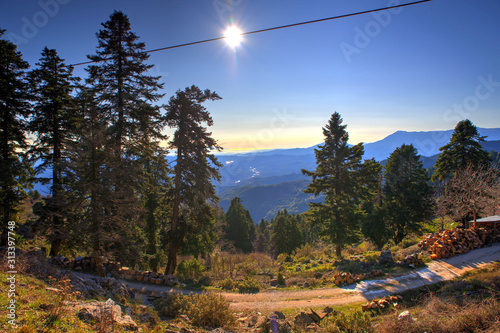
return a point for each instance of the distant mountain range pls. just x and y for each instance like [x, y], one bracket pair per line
[271, 180]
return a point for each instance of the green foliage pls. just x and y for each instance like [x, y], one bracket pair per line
[248, 285]
[195, 167]
[53, 122]
[262, 242]
[345, 181]
[374, 225]
[286, 235]
[227, 284]
[464, 149]
[204, 310]
[240, 229]
[14, 164]
[352, 322]
[407, 193]
[190, 269]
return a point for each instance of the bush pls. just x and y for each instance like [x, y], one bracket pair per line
[190, 269]
[227, 284]
[204, 310]
[353, 322]
[249, 285]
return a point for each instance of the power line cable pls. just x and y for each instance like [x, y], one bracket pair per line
[276, 28]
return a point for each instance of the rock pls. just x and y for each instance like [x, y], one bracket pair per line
[170, 280]
[185, 330]
[77, 259]
[147, 318]
[279, 315]
[185, 318]
[219, 330]
[107, 313]
[326, 312]
[302, 319]
[386, 258]
[313, 315]
[274, 282]
[250, 321]
[405, 316]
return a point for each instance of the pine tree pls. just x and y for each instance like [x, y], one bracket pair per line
[53, 122]
[195, 165]
[240, 226]
[262, 242]
[344, 180]
[124, 91]
[286, 235]
[407, 193]
[464, 149]
[125, 94]
[89, 186]
[15, 168]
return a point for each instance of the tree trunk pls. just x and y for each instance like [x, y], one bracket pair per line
[172, 258]
[55, 246]
[173, 241]
[338, 250]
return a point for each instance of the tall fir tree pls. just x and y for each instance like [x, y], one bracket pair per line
[53, 122]
[123, 89]
[464, 149]
[15, 168]
[407, 193]
[240, 226]
[195, 165]
[345, 181]
[126, 95]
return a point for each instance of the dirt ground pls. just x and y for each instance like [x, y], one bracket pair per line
[271, 300]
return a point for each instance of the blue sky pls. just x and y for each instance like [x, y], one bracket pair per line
[422, 67]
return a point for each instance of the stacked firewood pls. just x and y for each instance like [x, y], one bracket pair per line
[382, 302]
[348, 278]
[446, 244]
[412, 260]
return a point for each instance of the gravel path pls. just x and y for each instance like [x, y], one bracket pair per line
[436, 271]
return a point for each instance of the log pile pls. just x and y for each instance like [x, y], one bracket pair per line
[381, 303]
[348, 278]
[412, 260]
[446, 244]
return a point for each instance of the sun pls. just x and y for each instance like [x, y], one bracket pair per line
[233, 36]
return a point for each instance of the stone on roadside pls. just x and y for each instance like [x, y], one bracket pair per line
[405, 316]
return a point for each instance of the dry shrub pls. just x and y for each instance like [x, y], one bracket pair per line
[204, 310]
[447, 316]
[233, 265]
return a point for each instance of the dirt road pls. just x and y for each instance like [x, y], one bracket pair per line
[436, 271]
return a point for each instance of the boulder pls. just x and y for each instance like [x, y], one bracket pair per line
[405, 316]
[108, 313]
[302, 319]
[386, 258]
